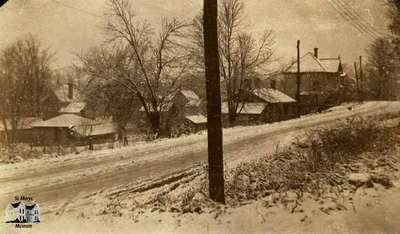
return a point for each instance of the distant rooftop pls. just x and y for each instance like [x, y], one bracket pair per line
[270, 95]
[310, 63]
[250, 108]
[197, 119]
[73, 108]
[64, 121]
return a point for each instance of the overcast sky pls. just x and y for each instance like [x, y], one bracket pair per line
[72, 26]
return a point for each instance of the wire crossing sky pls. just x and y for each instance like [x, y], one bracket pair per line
[337, 27]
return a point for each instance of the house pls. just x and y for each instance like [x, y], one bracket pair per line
[181, 108]
[263, 105]
[23, 132]
[279, 106]
[320, 80]
[18, 212]
[248, 112]
[186, 108]
[197, 121]
[59, 98]
[59, 130]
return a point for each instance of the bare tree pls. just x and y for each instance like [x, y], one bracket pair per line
[24, 79]
[154, 63]
[110, 98]
[242, 57]
[214, 125]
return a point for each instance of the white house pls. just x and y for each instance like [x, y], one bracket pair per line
[18, 212]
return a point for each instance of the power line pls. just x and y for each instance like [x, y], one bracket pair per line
[350, 18]
[366, 36]
[77, 9]
[358, 19]
[365, 22]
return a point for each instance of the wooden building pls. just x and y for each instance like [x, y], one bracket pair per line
[58, 99]
[264, 105]
[321, 81]
[60, 129]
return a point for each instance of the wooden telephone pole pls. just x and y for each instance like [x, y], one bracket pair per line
[298, 80]
[357, 81]
[361, 80]
[214, 124]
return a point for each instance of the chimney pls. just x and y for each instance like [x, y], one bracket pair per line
[316, 52]
[70, 90]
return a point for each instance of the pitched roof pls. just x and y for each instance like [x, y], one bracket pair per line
[310, 63]
[197, 119]
[331, 64]
[189, 94]
[23, 123]
[73, 108]
[192, 101]
[250, 108]
[64, 121]
[272, 95]
[192, 98]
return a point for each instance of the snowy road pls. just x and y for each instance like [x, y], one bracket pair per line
[56, 181]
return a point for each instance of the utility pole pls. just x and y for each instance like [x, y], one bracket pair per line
[361, 80]
[357, 82]
[298, 79]
[214, 123]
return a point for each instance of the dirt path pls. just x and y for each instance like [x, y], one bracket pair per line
[59, 181]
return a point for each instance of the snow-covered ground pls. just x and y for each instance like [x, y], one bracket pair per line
[63, 183]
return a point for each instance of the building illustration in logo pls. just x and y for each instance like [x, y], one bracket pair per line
[18, 212]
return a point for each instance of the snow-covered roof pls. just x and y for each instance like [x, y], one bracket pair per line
[64, 121]
[250, 108]
[23, 123]
[331, 64]
[189, 94]
[73, 108]
[310, 93]
[310, 63]
[197, 119]
[192, 98]
[272, 95]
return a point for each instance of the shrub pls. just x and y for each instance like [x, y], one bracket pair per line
[319, 160]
